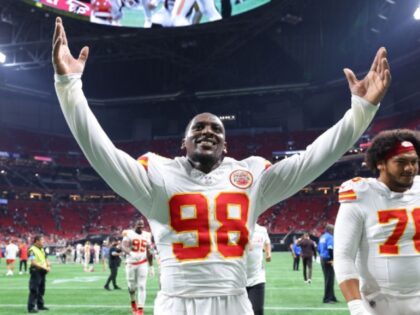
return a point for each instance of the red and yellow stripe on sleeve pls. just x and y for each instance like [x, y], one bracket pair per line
[267, 164]
[144, 161]
[347, 195]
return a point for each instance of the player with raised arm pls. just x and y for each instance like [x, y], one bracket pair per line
[377, 231]
[202, 207]
[137, 245]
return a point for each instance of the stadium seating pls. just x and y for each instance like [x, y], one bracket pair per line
[70, 173]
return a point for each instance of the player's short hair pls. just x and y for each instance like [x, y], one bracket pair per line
[329, 227]
[191, 120]
[37, 238]
[385, 141]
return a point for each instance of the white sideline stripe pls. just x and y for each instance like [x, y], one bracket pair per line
[307, 287]
[150, 306]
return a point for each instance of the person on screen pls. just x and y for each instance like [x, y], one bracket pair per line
[111, 12]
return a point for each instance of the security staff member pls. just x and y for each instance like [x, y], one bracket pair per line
[39, 267]
[326, 252]
[114, 262]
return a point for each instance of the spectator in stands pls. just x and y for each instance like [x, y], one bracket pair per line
[39, 268]
[114, 263]
[23, 257]
[325, 248]
[296, 250]
[308, 253]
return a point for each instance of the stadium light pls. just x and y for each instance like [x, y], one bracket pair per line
[417, 14]
[2, 57]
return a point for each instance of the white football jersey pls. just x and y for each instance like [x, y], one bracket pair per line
[138, 245]
[383, 228]
[201, 222]
[255, 270]
[11, 251]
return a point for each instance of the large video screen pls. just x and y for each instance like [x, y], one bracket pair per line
[151, 13]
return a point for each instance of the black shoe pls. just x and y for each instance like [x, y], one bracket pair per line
[32, 311]
[107, 288]
[43, 308]
[117, 288]
[330, 302]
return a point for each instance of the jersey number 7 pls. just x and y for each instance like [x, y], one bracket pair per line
[391, 244]
[200, 225]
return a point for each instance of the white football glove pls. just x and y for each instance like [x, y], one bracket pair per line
[151, 271]
[356, 307]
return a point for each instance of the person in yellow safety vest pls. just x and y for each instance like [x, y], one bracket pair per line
[39, 267]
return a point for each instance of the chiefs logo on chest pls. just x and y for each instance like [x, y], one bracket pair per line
[241, 179]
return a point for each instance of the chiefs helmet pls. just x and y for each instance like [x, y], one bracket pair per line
[102, 9]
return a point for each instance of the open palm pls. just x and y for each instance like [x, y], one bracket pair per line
[375, 84]
[63, 61]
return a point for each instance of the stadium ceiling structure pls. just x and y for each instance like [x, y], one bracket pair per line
[284, 45]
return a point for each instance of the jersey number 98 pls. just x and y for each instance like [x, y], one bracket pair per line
[199, 224]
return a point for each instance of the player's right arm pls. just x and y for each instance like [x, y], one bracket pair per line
[122, 173]
[347, 237]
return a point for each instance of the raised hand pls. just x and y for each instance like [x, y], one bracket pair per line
[375, 84]
[62, 60]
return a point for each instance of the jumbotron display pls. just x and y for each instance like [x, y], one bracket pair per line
[150, 13]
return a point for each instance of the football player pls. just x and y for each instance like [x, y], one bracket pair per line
[137, 245]
[255, 271]
[182, 9]
[111, 11]
[202, 207]
[163, 16]
[377, 232]
[11, 252]
[89, 256]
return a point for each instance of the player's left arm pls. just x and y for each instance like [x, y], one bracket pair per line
[287, 177]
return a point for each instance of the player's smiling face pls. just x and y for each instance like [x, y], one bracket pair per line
[399, 171]
[205, 139]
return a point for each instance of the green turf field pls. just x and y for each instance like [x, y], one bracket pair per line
[70, 291]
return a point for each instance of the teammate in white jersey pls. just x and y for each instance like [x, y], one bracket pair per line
[136, 244]
[11, 252]
[377, 232]
[202, 207]
[255, 271]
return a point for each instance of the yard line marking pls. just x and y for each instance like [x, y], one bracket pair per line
[284, 308]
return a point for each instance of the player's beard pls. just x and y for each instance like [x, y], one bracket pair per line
[399, 182]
